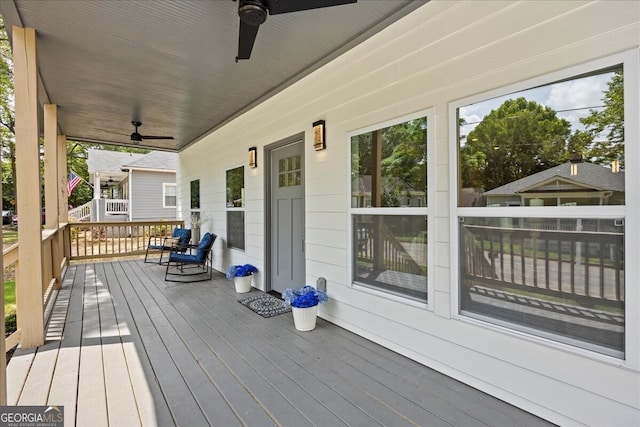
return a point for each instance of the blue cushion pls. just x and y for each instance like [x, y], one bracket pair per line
[183, 235]
[204, 246]
[188, 259]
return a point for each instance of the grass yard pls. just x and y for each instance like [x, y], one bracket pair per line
[9, 296]
[9, 236]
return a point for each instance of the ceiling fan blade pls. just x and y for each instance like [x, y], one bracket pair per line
[285, 6]
[246, 39]
[155, 137]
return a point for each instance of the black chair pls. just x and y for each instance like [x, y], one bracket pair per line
[179, 241]
[196, 267]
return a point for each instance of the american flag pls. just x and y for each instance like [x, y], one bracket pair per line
[72, 182]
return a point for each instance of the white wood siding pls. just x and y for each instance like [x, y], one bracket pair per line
[146, 196]
[444, 51]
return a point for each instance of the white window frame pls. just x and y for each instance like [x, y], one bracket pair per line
[428, 211]
[630, 61]
[166, 185]
[236, 209]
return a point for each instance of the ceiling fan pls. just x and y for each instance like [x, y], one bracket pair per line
[254, 12]
[136, 137]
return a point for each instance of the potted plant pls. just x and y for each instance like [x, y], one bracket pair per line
[242, 276]
[304, 305]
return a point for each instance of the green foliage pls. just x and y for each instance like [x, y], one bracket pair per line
[607, 123]
[517, 139]
[10, 323]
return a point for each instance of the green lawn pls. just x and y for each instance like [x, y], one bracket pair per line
[9, 297]
[9, 237]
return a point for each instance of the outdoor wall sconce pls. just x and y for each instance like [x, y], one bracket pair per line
[319, 142]
[253, 157]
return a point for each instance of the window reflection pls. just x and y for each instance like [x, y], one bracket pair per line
[560, 144]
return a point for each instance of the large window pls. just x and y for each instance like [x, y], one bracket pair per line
[548, 267]
[389, 208]
[235, 208]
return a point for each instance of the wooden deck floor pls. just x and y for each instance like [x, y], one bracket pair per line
[126, 348]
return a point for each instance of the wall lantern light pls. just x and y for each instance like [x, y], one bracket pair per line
[319, 142]
[253, 157]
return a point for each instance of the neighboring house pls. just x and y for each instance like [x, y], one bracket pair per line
[132, 187]
[568, 184]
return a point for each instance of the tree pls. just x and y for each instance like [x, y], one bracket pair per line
[517, 139]
[7, 121]
[606, 127]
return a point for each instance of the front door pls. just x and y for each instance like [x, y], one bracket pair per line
[287, 217]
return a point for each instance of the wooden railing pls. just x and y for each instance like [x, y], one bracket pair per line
[386, 249]
[89, 240]
[81, 212]
[54, 260]
[584, 266]
[116, 206]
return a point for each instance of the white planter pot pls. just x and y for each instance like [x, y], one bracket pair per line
[243, 284]
[305, 318]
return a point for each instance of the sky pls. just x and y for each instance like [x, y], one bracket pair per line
[577, 95]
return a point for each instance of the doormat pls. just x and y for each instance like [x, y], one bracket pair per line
[265, 305]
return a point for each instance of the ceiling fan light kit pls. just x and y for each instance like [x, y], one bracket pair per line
[253, 13]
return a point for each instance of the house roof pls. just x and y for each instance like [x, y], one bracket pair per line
[171, 64]
[157, 160]
[106, 162]
[589, 175]
[114, 163]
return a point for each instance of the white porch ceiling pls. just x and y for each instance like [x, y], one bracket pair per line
[171, 64]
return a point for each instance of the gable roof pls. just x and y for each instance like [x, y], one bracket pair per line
[589, 175]
[115, 162]
[156, 160]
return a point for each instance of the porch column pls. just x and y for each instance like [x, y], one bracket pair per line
[29, 284]
[51, 165]
[63, 175]
[3, 348]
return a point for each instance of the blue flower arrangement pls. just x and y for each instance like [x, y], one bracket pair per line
[307, 296]
[240, 271]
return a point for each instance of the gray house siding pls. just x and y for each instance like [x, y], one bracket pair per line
[147, 196]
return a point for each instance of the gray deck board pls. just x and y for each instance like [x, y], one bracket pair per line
[126, 348]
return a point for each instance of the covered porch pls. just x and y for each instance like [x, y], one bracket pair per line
[124, 347]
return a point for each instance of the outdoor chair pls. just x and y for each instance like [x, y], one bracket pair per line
[179, 241]
[196, 267]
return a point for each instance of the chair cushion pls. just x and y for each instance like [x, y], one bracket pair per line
[184, 258]
[183, 235]
[204, 246]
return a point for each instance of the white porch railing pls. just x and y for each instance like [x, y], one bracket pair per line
[116, 207]
[81, 212]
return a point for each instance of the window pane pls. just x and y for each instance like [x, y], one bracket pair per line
[390, 254]
[389, 166]
[235, 187]
[558, 144]
[235, 229]
[195, 194]
[169, 195]
[558, 278]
